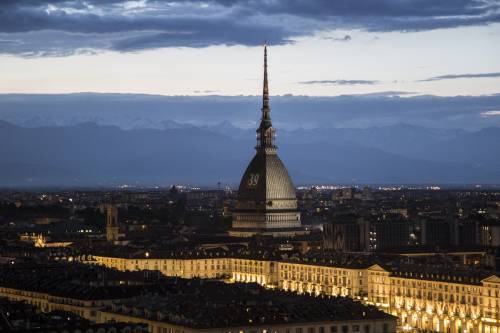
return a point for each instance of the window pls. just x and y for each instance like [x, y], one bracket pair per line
[367, 328]
[310, 330]
[333, 329]
[385, 328]
[355, 328]
[321, 329]
[298, 330]
[345, 328]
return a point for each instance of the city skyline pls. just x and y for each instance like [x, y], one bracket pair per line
[363, 135]
[373, 260]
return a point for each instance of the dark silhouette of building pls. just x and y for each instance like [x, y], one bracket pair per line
[351, 233]
[438, 232]
[390, 233]
[347, 234]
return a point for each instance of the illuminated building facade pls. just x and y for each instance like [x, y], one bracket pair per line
[437, 301]
[322, 279]
[186, 305]
[430, 301]
[40, 240]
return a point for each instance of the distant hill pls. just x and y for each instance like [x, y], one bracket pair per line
[89, 154]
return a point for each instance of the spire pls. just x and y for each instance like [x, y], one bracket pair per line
[265, 92]
[265, 132]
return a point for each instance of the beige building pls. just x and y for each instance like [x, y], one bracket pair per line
[193, 265]
[39, 240]
[299, 276]
[158, 322]
[322, 279]
[442, 303]
[187, 306]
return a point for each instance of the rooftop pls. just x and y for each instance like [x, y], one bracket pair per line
[22, 317]
[211, 304]
[76, 281]
[460, 275]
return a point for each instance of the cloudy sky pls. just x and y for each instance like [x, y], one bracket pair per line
[317, 47]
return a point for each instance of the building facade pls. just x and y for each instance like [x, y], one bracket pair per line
[421, 300]
[437, 302]
[190, 305]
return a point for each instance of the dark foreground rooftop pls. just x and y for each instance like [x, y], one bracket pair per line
[76, 281]
[211, 304]
[22, 317]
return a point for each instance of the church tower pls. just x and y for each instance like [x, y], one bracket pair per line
[267, 204]
[112, 227]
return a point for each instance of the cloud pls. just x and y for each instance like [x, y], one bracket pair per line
[383, 94]
[341, 82]
[346, 38]
[462, 76]
[205, 91]
[490, 114]
[43, 27]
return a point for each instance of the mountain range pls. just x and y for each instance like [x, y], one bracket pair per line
[91, 154]
[289, 112]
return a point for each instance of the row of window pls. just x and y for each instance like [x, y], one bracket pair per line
[365, 328]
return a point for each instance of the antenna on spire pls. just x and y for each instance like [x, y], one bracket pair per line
[265, 92]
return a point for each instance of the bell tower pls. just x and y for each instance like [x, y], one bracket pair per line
[112, 227]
